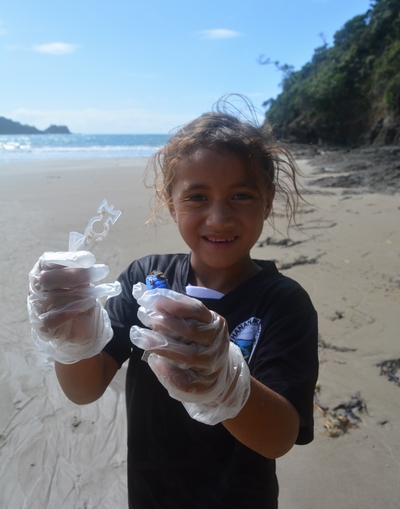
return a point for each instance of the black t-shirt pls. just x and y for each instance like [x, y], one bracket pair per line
[177, 462]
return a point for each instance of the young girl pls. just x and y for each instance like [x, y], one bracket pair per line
[229, 382]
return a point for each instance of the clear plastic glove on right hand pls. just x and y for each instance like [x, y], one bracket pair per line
[68, 321]
[191, 354]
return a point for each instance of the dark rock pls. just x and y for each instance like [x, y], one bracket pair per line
[373, 168]
[57, 129]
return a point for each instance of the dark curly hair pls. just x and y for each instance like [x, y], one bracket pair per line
[226, 128]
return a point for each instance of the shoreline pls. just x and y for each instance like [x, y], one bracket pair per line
[56, 454]
[30, 166]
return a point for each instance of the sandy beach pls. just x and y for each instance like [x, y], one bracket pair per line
[56, 455]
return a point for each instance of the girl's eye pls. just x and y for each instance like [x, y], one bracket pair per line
[196, 197]
[242, 196]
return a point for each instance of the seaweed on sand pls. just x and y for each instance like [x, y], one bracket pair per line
[389, 369]
[343, 417]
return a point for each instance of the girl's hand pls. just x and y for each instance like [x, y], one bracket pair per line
[191, 354]
[66, 316]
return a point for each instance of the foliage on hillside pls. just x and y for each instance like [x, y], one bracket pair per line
[348, 93]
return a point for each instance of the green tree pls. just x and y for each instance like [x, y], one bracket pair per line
[340, 92]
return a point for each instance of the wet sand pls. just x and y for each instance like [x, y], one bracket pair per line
[55, 454]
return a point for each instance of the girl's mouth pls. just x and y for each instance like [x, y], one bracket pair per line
[220, 241]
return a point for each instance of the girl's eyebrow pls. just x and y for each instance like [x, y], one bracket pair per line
[198, 185]
[194, 186]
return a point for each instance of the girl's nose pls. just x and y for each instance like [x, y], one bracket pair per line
[220, 216]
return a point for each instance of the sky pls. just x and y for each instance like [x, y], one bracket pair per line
[148, 66]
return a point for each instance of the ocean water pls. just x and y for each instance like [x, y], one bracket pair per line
[79, 146]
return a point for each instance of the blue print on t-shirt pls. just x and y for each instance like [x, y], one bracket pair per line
[246, 336]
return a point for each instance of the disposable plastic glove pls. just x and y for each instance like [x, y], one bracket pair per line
[191, 354]
[67, 318]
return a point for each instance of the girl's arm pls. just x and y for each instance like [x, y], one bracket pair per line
[199, 366]
[267, 423]
[197, 363]
[86, 380]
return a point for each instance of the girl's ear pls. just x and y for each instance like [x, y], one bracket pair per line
[268, 201]
[170, 206]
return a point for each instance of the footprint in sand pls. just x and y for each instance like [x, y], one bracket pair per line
[360, 319]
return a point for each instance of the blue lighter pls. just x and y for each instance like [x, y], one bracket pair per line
[157, 280]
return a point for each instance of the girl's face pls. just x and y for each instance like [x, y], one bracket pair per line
[220, 214]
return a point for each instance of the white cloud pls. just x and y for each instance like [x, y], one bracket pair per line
[219, 33]
[55, 48]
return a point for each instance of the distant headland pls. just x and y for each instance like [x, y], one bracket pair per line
[8, 126]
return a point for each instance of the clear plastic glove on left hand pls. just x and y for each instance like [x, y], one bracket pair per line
[67, 318]
[191, 354]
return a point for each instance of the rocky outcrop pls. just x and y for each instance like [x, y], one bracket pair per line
[377, 130]
[57, 129]
[8, 126]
